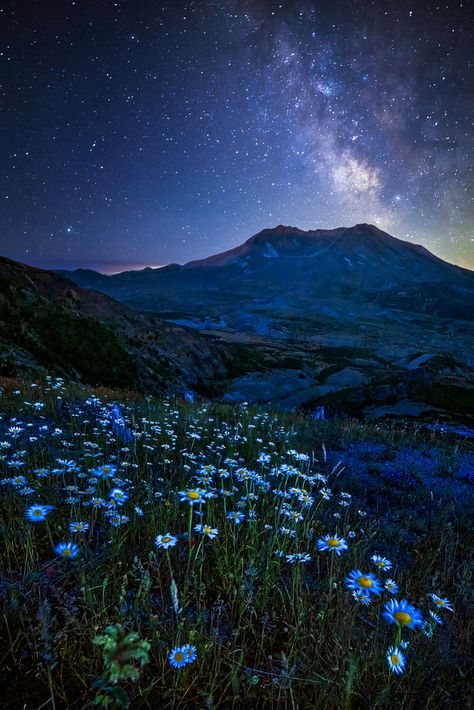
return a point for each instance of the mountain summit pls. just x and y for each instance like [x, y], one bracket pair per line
[336, 249]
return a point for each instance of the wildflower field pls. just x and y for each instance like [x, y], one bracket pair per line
[157, 553]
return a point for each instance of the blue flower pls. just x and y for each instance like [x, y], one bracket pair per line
[206, 530]
[26, 490]
[118, 496]
[391, 586]
[236, 517]
[166, 541]
[37, 513]
[332, 543]
[396, 660]
[402, 614]
[381, 562]
[105, 471]
[302, 557]
[80, 527]
[177, 657]
[361, 597]
[116, 519]
[441, 603]
[190, 652]
[41, 472]
[96, 502]
[367, 582]
[66, 549]
[192, 496]
[294, 515]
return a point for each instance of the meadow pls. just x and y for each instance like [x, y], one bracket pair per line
[161, 553]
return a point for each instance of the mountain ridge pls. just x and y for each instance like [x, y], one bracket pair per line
[272, 234]
[299, 269]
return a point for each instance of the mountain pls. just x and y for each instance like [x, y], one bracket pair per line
[47, 323]
[286, 268]
[352, 319]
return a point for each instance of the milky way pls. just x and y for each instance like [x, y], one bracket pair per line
[146, 133]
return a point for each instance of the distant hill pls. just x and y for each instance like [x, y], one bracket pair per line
[49, 323]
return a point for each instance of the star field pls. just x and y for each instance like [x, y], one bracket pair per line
[138, 133]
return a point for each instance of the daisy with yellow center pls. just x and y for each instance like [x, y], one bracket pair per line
[361, 597]
[192, 496]
[391, 586]
[182, 655]
[441, 603]
[118, 496]
[206, 530]
[396, 660]
[79, 527]
[165, 541]
[365, 581]
[381, 562]
[177, 658]
[105, 471]
[402, 614]
[333, 543]
[37, 513]
[67, 550]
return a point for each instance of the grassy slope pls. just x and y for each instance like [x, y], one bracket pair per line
[61, 342]
[267, 633]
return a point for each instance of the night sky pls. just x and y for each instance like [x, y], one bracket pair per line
[142, 133]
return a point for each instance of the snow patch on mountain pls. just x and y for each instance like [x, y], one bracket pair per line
[270, 252]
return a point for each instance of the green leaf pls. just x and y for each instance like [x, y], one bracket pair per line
[121, 697]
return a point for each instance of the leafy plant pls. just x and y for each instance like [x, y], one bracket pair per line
[122, 650]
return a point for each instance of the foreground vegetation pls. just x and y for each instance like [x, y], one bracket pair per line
[159, 553]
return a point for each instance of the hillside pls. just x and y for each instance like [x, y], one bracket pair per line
[48, 323]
